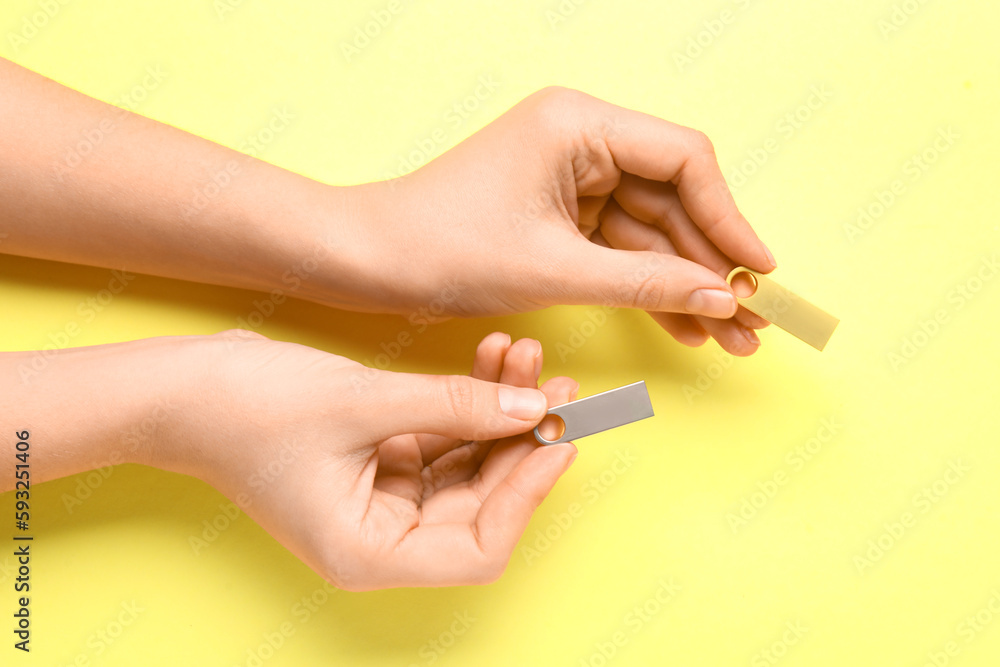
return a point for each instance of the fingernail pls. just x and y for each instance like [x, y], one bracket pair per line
[712, 303]
[538, 362]
[770, 257]
[574, 392]
[521, 403]
[750, 335]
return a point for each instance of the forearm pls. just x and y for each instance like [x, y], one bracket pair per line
[89, 183]
[89, 407]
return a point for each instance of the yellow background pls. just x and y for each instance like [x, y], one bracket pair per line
[665, 517]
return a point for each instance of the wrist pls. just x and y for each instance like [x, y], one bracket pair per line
[341, 257]
[177, 373]
[92, 407]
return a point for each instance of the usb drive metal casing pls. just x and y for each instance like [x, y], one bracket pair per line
[785, 309]
[601, 412]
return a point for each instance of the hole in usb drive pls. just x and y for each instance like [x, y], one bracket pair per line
[744, 284]
[552, 427]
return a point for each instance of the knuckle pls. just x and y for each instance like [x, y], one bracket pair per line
[723, 222]
[552, 105]
[550, 94]
[460, 396]
[700, 143]
[648, 293]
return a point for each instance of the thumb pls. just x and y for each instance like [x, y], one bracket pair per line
[456, 406]
[657, 282]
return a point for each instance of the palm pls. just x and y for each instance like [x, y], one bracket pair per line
[427, 493]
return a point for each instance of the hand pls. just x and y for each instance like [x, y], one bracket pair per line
[564, 199]
[568, 199]
[374, 479]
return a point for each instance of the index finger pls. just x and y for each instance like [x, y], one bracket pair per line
[659, 150]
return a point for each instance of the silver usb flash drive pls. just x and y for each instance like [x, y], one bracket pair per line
[600, 412]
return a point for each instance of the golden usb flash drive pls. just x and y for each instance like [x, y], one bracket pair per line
[630, 403]
[786, 309]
